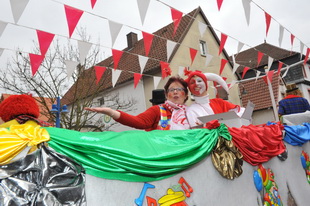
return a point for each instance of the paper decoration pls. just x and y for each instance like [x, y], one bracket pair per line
[208, 59]
[269, 76]
[1, 51]
[280, 64]
[245, 71]
[307, 55]
[136, 77]
[259, 57]
[115, 28]
[70, 66]
[84, 48]
[143, 6]
[233, 82]
[202, 28]
[292, 40]
[147, 39]
[181, 70]
[301, 49]
[99, 72]
[18, 7]
[257, 75]
[156, 81]
[219, 4]
[93, 2]
[170, 48]
[223, 63]
[240, 45]
[285, 73]
[165, 69]
[45, 40]
[2, 27]
[270, 61]
[142, 62]
[247, 10]
[115, 75]
[268, 19]
[73, 16]
[281, 31]
[176, 18]
[236, 66]
[193, 53]
[117, 54]
[35, 62]
[223, 41]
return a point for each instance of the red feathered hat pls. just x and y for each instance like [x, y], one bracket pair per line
[198, 73]
[16, 105]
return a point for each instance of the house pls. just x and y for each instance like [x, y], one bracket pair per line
[256, 90]
[187, 36]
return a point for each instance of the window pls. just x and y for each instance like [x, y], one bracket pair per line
[203, 48]
[101, 101]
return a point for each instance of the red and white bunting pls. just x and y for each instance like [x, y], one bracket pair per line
[259, 57]
[70, 66]
[115, 75]
[223, 41]
[285, 73]
[240, 45]
[99, 70]
[268, 20]
[116, 54]
[115, 28]
[147, 40]
[202, 28]
[236, 66]
[170, 47]
[302, 46]
[247, 10]
[84, 48]
[257, 75]
[73, 16]
[280, 64]
[93, 2]
[281, 31]
[223, 63]
[142, 62]
[193, 53]
[35, 62]
[165, 69]
[2, 27]
[209, 57]
[156, 81]
[245, 70]
[176, 18]
[270, 61]
[292, 41]
[307, 55]
[45, 40]
[136, 79]
[219, 4]
[18, 7]
[143, 6]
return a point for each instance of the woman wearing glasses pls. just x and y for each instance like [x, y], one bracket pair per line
[168, 116]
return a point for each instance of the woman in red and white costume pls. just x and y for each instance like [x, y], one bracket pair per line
[198, 86]
[168, 116]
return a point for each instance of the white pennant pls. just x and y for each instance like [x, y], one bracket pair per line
[233, 82]
[143, 6]
[233, 58]
[240, 45]
[170, 47]
[1, 51]
[84, 48]
[181, 71]
[281, 30]
[18, 7]
[247, 10]
[257, 75]
[301, 49]
[202, 28]
[236, 65]
[270, 61]
[115, 75]
[114, 30]
[142, 62]
[156, 81]
[70, 66]
[285, 73]
[208, 59]
[2, 27]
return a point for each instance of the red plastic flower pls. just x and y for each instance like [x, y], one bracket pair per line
[212, 124]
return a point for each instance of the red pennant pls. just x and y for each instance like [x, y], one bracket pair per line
[268, 19]
[223, 63]
[223, 41]
[45, 40]
[280, 64]
[117, 54]
[259, 57]
[292, 40]
[269, 75]
[99, 72]
[176, 18]
[73, 16]
[137, 77]
[35, 62]
[219, 4]
[307, 56]
[225, 78]
[147, 38]
[165, 69]
[93, 2]
[245, 71]
[193, 53]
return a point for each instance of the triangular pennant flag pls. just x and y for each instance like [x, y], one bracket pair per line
[202, 28]
[233, 82]
[257, 75]
[307, 56]
[115, 28]
[136, 77]
[143, 6]
[301, 49]
[240, 45]
[18, 8]
[70, 66]
[265, 79]
[142, 62]
[270, 61]
[223, 41]
[280, 64]
[35, 62]
[193, 53]
[181, 70]
[281, 31]
[285, 73]
[209, 57]
[219, 4]
[233, 58]
[1, 51]
[269, 75]
[73, 16]
[170, 47]
[156, 81]
[236, 66]
[165, 69]
[259, 57]
[292, 41]
[268, 20]
[245, 71]
[115, 75]
[247, 10]
[84, 48]
[176, 18]
[45, 40]
[2, 27]
[99, 72]
[117, 54]
[93, 2]
[223, 63]
[147, 39]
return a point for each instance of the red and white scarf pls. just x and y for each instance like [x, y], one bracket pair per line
[178, 115]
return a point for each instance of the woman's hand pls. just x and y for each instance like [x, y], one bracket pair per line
[104, 110]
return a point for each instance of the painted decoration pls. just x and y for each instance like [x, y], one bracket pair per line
[305, 162]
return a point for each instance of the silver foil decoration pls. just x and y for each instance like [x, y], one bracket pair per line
[42, 178]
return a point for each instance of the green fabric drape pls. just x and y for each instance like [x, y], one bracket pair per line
[136, 156]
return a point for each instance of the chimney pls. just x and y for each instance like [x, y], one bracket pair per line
[132, 38]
